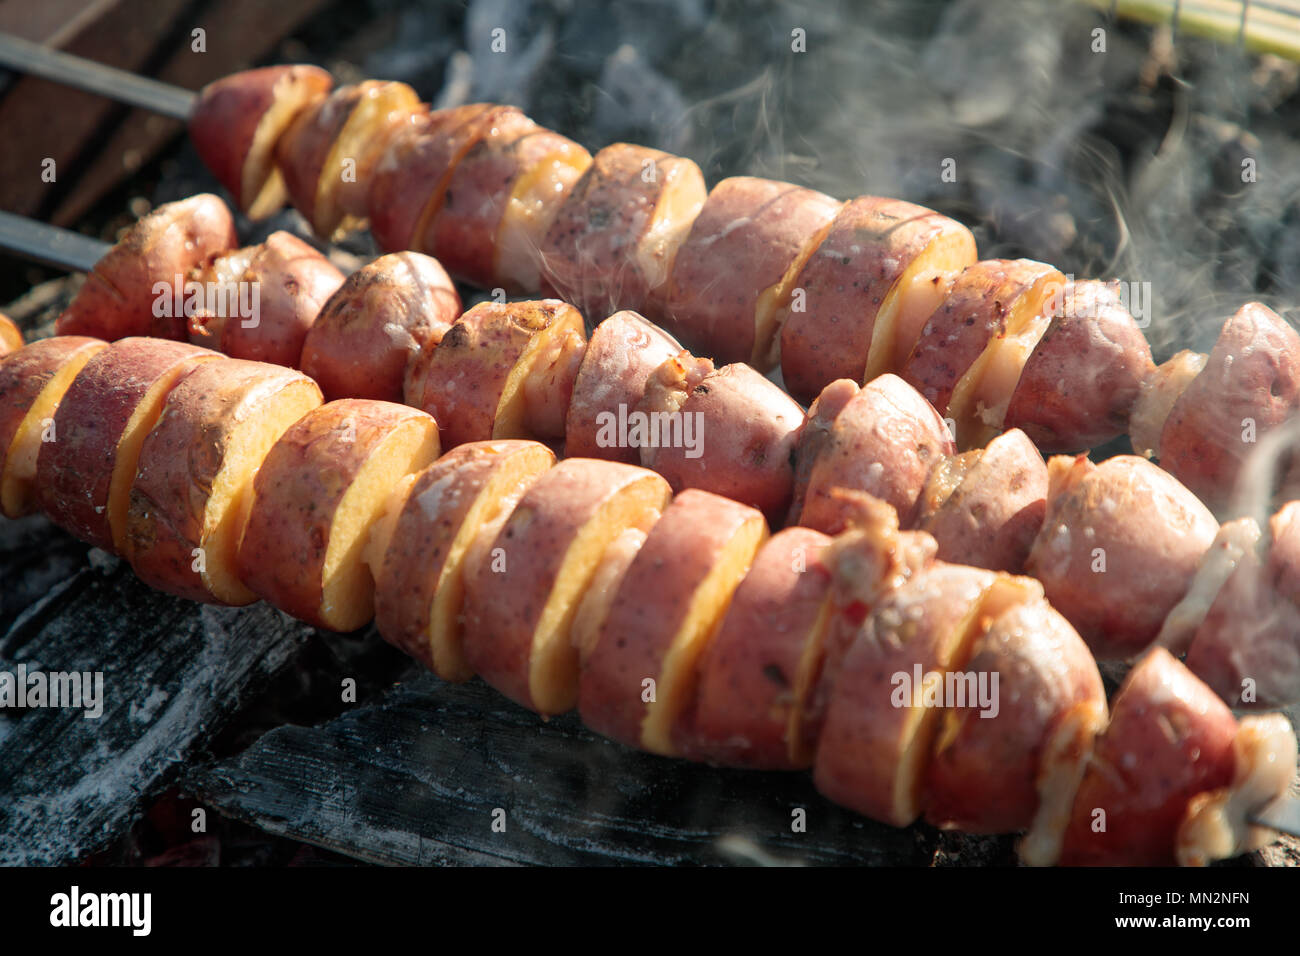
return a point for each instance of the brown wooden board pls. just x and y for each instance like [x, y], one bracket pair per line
[174, 672]
[95, 142]
[415, 778]
[239, 34]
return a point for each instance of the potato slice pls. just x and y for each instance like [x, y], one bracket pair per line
[321, 487]
[330, 154]
[883, 441]
[540, 190]
[193, 486]
[238, 119]
[881, 722]
[668, 607]
[464, 233]
[613, 242]
[419, 571]
[1252, 377]
[1044, 673]
[732, 433]
[83, 476]
[11, 337]
[991, 514]
[294, 282]
[1119, 546]
[869, 561]
[524, 585]
[622, 354]
[1061, 768]
[119, 299]
[503, 370]
[1160, 391]
[376, 323]
[970, 353]
[881, 270]
[1217, 824]
[1169, 739]
[1082, 378]
[1234, 545]
[749, 707]
[376, 112]
[410, 178]
[596, 603]
[33, 381]
[733, 273]
[1246, 647]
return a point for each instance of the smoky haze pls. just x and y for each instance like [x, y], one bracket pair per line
[1116, 154]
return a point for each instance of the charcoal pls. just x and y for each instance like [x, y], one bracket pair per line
[416, 778]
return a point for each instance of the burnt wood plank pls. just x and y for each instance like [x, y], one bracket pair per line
[415, 777]
[173, 673]
[239, 34]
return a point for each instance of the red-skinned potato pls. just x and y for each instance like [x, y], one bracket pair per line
[882, 269]
[237, 121]
[329, 153]
[1217, 824]
[503, 370]
[293, 283]
[737, 434]
[1246, 645]
[83, 477]
[668, 605]
[1136, 522]
[733, 275]
[535, 200]
[613, 242]
[884, 441]
[1046, 679]
[315, 497]
[869, 561]
[1249, 386]
[971, 351]
[525, 581]
[193, 483]
[304, 147]
[1085, 373]
[880, 724]
[621, 355]
[985, 302]
[1169, 739]
[124, 295]
[748, 710]
[986, 506]
[33, 381]
[464, 232]
[377, 322]
[11, 337]
[410, 179]
[419, 570]
[815, 436]
[1160, 390]
[1234, 545]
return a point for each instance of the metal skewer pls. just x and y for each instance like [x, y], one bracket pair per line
[27, 57]
[64, 249]
[49, 245]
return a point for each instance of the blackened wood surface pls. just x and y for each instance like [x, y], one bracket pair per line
[174, 672]
[415, 779]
